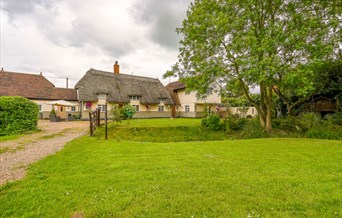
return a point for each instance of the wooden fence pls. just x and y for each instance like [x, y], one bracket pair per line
[94, 121]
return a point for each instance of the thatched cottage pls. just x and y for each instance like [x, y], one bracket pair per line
[39, 90]
[188, 104]
[147, 95]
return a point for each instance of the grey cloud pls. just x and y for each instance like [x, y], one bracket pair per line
[15, 7]
[163, 17]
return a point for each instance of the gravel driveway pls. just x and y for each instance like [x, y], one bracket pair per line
[19, 153]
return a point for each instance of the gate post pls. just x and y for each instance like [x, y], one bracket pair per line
[90, 124]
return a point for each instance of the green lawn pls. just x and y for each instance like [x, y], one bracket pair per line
[236, 178]
[161, 130]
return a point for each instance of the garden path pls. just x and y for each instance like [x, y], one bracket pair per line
[17, 154]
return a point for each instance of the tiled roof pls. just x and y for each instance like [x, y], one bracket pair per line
[32, 86]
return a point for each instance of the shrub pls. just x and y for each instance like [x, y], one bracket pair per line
[286, 124]
[212, 122]
[325, 132]
[309, 120]
[252, 129]
[335, 118]
[116, 114]
[128, 111]
[17, 115]
[53, 112]
[234, 124]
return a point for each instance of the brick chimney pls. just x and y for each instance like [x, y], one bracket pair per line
[116, 67]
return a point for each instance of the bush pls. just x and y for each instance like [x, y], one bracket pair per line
[128, 111]
[335, 118]
[17, 115]
[252, 129]
[234, 124]
[325, 132]
[309, 120]
[116, 114]
[286, 124]
[212, 122]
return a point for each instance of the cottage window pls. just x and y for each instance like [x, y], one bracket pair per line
[134, 98]
[160, 108]
[73, 108]
[136, 107]
[161, 100]
[40, 107]
[187, 108]
[101, 107]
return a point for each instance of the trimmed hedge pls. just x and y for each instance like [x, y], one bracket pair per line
[17, 115]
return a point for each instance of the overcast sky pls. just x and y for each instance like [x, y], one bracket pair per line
[65, 38]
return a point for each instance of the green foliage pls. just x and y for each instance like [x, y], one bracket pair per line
[245, 44]
[212, 122]
[128, 111]
[116, 114]
[325, 132]
[236, 102]
[244, 128]
[17, 115]
[285, 123]
[328, 79]
[335, 119]
[234, 124]
[252, 129]
[309, 120]
[53, 112]
[205, 112]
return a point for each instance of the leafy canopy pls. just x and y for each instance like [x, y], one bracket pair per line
[246, 43]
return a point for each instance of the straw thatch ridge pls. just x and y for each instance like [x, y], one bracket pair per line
[119, 87]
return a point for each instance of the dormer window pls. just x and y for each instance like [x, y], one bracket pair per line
[161, 100]
[134, 98]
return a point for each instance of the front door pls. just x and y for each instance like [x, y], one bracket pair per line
[61, 112]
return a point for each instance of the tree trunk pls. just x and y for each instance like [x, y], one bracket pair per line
[269, 109]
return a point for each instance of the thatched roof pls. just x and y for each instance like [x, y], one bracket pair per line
[32, 86]
[173, 87]
[119, 87]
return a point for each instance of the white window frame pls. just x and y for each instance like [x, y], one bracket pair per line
[160, 108]
[161, 100]
[187, 108]
[101, 107]
[136, 107]
[73, 108]
[40, 107]
[134, 98]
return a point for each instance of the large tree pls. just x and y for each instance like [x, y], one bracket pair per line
[256, 43]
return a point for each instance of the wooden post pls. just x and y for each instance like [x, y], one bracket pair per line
[91, 125]
[98, 113]
[106, 122]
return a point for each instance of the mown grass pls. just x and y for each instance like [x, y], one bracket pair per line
[239, 178]
[92, 177]
[9, 137]
[161, 130]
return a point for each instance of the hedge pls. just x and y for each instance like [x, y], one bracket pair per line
[17, 115]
